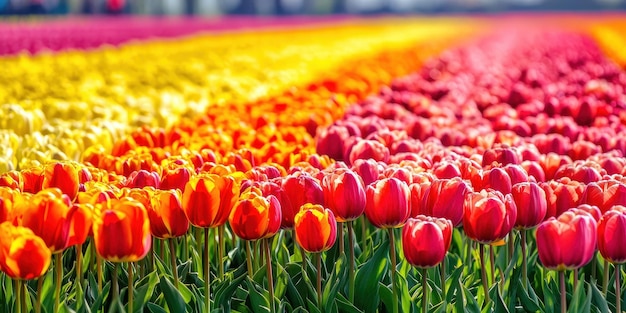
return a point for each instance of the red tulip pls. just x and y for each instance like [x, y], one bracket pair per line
[63, 176]
[444, 198]
[127, 221]
[611, 235]
[300, 188]
[488, 216]
[166, 214]
[23, 255]
[255, 216]
[143, 178]
[175, 178]
[368, 170]
[604, 194]
[387, 203]
[344, 194]
[531, 203]
[315, 227]
[567, 242]
[425, 240]
[562, 195]
[81, 224]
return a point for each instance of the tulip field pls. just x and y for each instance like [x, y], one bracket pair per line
[313, 164]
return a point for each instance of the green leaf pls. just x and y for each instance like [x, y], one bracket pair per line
[468, 303]
[368, 276]
[529, 303]
[346, 306]
[500, 306]
[96, 306]
[225, 291]
[155, 308]
[335, 282]
[598, 299]
[173, 298]
[258, 298]
[580, 302]
[144, 290]
[312, 306]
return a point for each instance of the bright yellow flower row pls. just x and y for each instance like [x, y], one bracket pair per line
[54, 106]
[611, 36]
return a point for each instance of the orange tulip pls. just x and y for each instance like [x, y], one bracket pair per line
[121, 230]
[63, 176]
[49, 215]
[81, 224]
[208, 199]
[316, 228]
[167, 218]
[23, 255]
[255, 216]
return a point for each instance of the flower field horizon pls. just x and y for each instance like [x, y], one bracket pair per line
[313, 164]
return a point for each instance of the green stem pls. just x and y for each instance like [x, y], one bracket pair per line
[270, 278]
[185, 248]
[483, 273]
[18, 295]
[492, 264]
[468, 254]
[79, 274]
[351, 270]
[207, 274]
[173, 260]
[58, 266]
[511, 246]
[114, 285]
[605, 278]
[392, 255]
[249, 258]
[618, 291]
[563, 299]
[24, 294]
[594, 265]
[99, 270]
[38, 295]
[425, 290]
[363, 233]
[340, 238]
[130, 287]
[442, 273]
[524, 261]
[575, 278]
[220, 251]
[318, 259]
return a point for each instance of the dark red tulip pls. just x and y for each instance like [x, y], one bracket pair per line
[300, 188]
[531, 203]
[611, 235]
[604, 194]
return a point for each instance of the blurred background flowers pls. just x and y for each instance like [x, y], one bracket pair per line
[294, 7]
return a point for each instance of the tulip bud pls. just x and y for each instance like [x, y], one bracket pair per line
[344, 194]
[426, 240]
[255, 216]
[488, 216]
[567, 242]
[166, 214]
[299, 188]
[530, 201]
[387, 204]
[611, 235]
[315, 228]
[23, 255]
[444, 198]
[127, 220]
